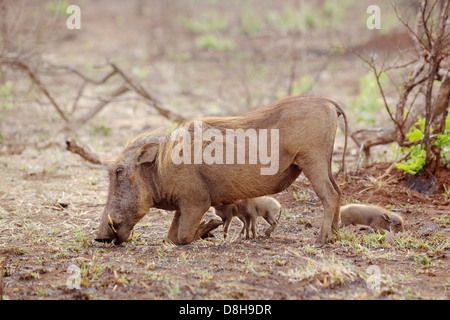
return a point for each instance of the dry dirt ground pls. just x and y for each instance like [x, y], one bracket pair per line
[51, 199]
[49, 220]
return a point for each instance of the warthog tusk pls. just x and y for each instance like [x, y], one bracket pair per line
[111, 224]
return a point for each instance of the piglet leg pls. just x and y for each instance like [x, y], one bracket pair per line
[205, 227]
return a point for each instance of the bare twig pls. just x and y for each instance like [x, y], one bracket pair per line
[371, 63]
[402, 66]
[74, 126]
[22, 65]
[414, 34]
[388, 171]
[153, 101]
[77, 98]
[103, 80]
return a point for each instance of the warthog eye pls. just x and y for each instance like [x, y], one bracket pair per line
[119, 170]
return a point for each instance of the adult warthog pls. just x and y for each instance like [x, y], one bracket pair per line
[178, 172]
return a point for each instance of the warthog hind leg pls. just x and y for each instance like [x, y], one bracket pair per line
[325, 187]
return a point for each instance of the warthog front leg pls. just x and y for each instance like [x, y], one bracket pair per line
[186, 226]
[172, 235]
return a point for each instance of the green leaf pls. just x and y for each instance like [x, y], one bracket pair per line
[414, 135]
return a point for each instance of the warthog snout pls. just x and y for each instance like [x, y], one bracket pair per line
[110, 237]
[111, 231]
[105, 233]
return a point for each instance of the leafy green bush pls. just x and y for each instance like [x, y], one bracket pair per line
[310, 16]
[443, 142]
[211, 22]
[416, 161]
[250, 21]
[57, 8]
[6, 95]
[210, 41]
[290, 18]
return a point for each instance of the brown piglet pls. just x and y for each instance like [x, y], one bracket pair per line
[375, 217]
[248, 211]
[226, 212]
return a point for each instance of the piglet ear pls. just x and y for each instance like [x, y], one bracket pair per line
[147, 153]
[386, 217]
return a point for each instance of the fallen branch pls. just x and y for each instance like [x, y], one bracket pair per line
[89, 156]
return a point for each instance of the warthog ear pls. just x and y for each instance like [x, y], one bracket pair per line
[386, 217]
[147, 153]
